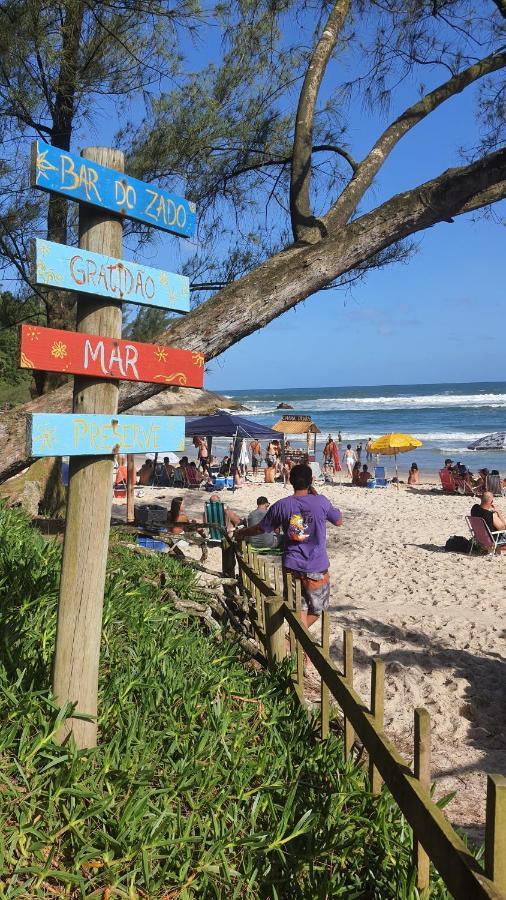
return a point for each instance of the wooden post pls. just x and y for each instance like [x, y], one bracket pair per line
[421, 756]
[275, 630]
[228, 566]
[324, 691]
[299, 653]
[88, 520]
[349, 734]
[495, 831]
[130, 488]
[377, 710]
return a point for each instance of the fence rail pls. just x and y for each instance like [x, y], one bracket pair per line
[276, 604]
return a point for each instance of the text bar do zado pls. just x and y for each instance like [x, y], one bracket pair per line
[85, 181]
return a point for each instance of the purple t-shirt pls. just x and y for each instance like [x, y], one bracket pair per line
[304, 523]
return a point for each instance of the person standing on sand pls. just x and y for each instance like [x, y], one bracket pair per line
[349, 459]
[303, 519]
[256, 455]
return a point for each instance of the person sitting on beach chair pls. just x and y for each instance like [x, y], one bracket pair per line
[146, 473]
[230, 518]
[364, 476]
[494, 519]
[265, 539]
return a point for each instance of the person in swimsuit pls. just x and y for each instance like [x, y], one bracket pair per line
[349, 459]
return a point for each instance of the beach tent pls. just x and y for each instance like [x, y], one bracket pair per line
[224, 424]
[293, 425]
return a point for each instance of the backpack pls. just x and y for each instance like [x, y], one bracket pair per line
[457, 544]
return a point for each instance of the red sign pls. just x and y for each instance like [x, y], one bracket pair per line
[52, 350]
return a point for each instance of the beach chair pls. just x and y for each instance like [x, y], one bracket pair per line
[464, 488]
[380, 477]
[215, 515]
[191, 477]
[447, 481]
[159, 476]
[494, 485]
[317, 472]
[177, 480]
[482, 536]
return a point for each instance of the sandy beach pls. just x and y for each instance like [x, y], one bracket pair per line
[437, 619]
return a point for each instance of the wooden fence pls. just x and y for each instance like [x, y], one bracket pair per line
[273, 606]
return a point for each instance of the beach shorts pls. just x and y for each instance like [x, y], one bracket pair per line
[315, 590]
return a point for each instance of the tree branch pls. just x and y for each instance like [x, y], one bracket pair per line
[303, 223]
[501, 6]
[364, 175]
[282, 282]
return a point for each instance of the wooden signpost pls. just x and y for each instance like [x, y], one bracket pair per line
[52, 350]
[75, 269]
[97, 357]
[61, 434]
[87, 181]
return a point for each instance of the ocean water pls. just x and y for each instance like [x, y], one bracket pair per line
[445, 417]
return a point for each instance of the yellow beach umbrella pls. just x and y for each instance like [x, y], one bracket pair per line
[392, 444]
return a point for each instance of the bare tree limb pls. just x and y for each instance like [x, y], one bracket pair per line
[364, 175]
[501, 6]
[303, 223]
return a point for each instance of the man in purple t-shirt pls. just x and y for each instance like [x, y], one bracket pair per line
[303, 518]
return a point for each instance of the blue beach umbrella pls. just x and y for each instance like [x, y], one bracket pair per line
[496, 441]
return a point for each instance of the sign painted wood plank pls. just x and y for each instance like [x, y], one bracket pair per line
[76, 353]
[80, 179]
[73, 269]
[62, 434]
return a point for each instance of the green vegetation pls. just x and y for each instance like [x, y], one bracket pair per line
[209, 780]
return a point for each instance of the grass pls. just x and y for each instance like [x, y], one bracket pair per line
[208, 780]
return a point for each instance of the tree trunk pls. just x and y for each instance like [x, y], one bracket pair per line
[60, 305]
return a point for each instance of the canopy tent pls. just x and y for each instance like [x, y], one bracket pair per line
[298, 425]
[224, 424]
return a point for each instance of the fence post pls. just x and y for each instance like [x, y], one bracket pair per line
[299, 654]
[130, 488]
[324, 691]
[275, 630]
[228, 566]
[421, 757]
[349, 734]
[377, 710]
[495, 831]
[88, 520]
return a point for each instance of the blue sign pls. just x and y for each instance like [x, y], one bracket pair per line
[73, 269]
[81, 179]
[62, 434]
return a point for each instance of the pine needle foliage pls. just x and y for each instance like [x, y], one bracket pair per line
[208, 780]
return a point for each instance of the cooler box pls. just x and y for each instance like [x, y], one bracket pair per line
[223, 482]
[151, 515]
[151, 543]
